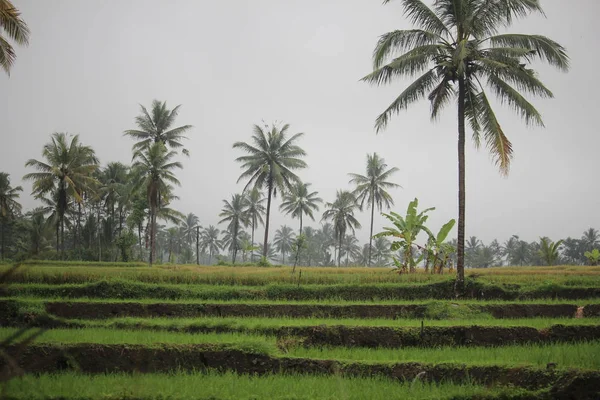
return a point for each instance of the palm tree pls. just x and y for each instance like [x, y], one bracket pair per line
[155, 127]
[154, 167]
[341, 213]
[234, 212]
[66, 173]
[350, 248]
[299, 202]
[9, 205]
[549, 251]
[459, 50]
[191, 228]
[371, 189]
[269, 164]
[16, 29]
[210, 240]
[590, 240]
[382, 251]
[284, 237]
[255, 210]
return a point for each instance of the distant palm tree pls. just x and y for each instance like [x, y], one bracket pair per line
[350, 248]
[210, 241]
[9, 205]
[154, 167]
[590, 240]
[381, 251]
[299, 201]
[341, 213]
[457, 50]
[156, 126]
[16, 29]
[234, 213]
[549, 251]
[255, 210]
[269, 164]
[371, 189]
[284, 237]
[191, 229]
[66, 173]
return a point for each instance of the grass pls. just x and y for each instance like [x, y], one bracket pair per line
[123, 289]
[96, 335]
[270, 324]
[59, 272]
[229, 386]
[567, 355]
[585, 355]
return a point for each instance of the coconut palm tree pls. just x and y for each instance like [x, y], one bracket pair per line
[66, 173]
[284, 237]
[255, 210]
[156, 126]
[341, 213]
[455, 51]
[350, 248]
[299, 201]
[154, 166]
[549, 251]
[590, 240]
[191, 229]
[381, 251]
[371, 189]
[269, 163]
[9, 205]
[12, 25]
[234, 213]
[210, 241]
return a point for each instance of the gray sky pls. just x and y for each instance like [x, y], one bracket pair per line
[232, 64]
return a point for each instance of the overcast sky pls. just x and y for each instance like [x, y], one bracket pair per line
[232, 64]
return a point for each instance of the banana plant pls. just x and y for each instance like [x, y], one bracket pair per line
[406, 231]
[593, 256]
[438, 251]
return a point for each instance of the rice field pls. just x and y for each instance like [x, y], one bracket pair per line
[184, 344]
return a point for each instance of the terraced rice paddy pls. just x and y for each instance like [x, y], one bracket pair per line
[124, 332]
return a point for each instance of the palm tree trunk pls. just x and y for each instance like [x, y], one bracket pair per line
[252, 253]
[140, 240]
[2, 238]
[300, 222]
[198, 245]
[282, 255]
[210, 255]
[62, 237]
[57, 237]
[460, 263]
[270, 192]
[234, 238]
[339, 255]
[152, 232]
[371, 234]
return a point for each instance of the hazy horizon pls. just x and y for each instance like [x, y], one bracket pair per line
[232, 65]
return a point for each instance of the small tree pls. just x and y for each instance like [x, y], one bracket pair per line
[124, 244]
[593, 256]
[549, 251]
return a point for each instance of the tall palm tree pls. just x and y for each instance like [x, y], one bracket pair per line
[191, 229]
[9, 205]
[341, 213]
[156, 126]
[210, 241]
[371, 189]
[284, 237]
[234, 213]
[154, 167]
[12, 25]
[590, 240]
[66, 173]
[350, 248]
[255, 210]
[300, 201]
[271, 158]
[456, 51]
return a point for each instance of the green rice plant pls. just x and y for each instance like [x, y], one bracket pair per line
[585, 355]
[229, 386]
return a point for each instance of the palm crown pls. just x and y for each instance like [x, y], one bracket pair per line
[155, 126]
[16, 29]
[299, 201]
